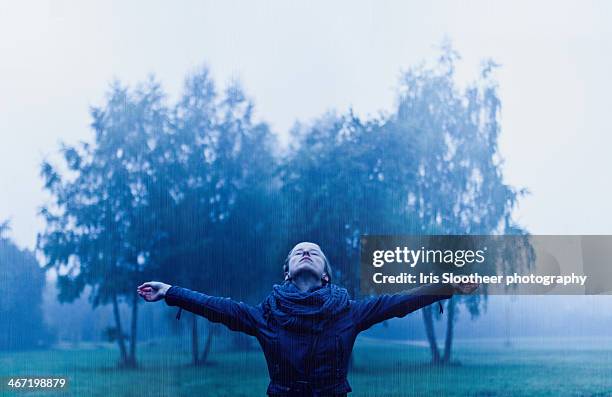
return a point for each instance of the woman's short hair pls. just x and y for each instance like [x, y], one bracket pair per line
[327, 266]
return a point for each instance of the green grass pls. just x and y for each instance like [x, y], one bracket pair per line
[531, 367]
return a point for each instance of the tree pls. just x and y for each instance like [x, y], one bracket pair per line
[98, 226]
[220, 174]
[161, 193]
[187, 176]
[22, 284]
[459, 185]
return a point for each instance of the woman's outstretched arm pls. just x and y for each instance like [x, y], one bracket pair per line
[374, 310]
[237, 316]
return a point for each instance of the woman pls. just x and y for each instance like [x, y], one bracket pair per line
[307, 326]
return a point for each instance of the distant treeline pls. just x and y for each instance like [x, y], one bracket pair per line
[21, 288]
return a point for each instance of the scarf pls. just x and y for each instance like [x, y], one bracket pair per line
[305, 311]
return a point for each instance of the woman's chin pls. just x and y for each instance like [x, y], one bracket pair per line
[305, 271]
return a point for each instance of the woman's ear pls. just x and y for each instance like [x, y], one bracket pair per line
[287, 276]
[325, 278]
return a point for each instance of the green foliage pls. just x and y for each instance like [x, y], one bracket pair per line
[98, 229]
[163, 193]
[220, 178]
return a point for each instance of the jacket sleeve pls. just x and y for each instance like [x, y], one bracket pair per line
[237, 316]
[370, 311]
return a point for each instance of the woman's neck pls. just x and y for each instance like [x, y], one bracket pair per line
[305, 281]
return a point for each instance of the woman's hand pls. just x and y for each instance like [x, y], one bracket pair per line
[153, 291]
[465, 288]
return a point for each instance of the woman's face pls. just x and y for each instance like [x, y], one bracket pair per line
[306, 257]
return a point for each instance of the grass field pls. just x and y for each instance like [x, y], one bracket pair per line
[530, 367]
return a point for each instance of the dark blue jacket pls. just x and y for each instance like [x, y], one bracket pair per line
[307, 364]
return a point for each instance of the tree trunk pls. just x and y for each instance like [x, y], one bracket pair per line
[208, 344]
[448, 342]
[195, 348]
[132, 360]
[119, 329]
[431, 335]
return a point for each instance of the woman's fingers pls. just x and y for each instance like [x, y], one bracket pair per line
[144, 291]
[152, 291]
[148, 297]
